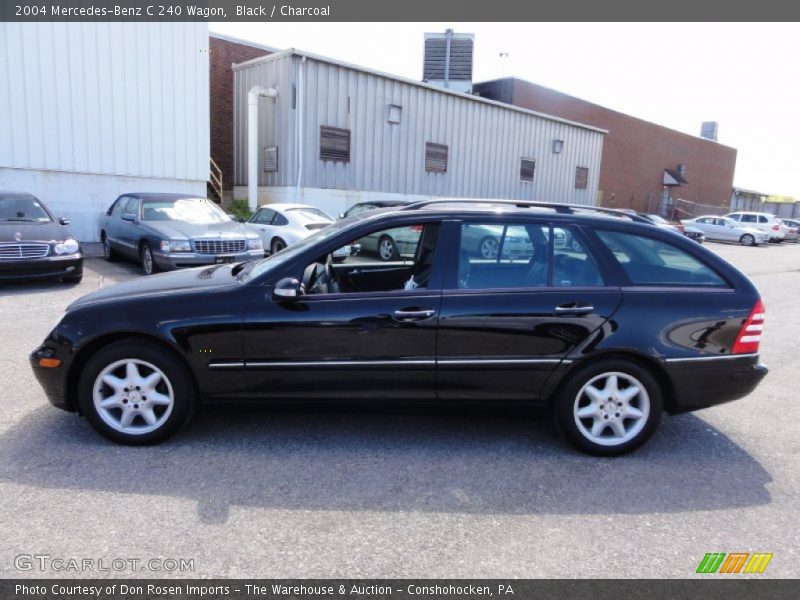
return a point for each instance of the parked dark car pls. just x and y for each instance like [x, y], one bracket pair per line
[170, 231]
[34, 244]
[610, 331]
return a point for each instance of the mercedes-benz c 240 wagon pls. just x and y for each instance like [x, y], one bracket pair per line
[610, 331]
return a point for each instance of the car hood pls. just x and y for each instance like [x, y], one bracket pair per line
[185, 280]
[182, 230]
[32, 232]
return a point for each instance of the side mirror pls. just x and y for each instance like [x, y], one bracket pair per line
[287, 288]
[63, 221]
[130, 217]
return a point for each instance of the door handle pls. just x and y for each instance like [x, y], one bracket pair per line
[413, 315]
[574, 308]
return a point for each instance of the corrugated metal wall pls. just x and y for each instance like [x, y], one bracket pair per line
[485, 141]
[106, 98]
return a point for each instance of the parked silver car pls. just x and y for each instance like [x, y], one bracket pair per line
[766, 222]
[281, 225]
[169, 231]
[724, 229]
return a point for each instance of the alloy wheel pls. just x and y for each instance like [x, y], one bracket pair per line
[386, 249]
[611, 408]
[489, 248]
[133, 396]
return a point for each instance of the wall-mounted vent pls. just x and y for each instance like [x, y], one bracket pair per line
[334, 144]
[435, 158]
[448, 60]
[527, 169]
[271, 159]
[581, 178]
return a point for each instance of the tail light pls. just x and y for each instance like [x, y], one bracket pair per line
[680, 227]
[750, 334]
[776, 228]
[416, 228]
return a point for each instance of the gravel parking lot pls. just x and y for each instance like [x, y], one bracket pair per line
[269, 493]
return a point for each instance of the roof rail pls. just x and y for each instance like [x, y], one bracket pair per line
[566, 209]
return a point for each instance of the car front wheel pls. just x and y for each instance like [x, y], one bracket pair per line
[609, 408]
[747, 240]
[148, 263]
[136, 392]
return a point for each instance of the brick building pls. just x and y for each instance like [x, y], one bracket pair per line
[225, 51]
[641, 160]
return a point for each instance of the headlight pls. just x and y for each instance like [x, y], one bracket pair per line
[255, 244]
[68, 246]
[176, 246]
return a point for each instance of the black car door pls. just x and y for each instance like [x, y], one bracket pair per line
[507, 321]
[345, 340]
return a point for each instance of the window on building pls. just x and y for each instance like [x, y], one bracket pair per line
[271, 159]
[334, 144]
[435, 158]
[527, 168]
[581, 178]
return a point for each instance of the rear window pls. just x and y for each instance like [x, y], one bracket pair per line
[647, 261]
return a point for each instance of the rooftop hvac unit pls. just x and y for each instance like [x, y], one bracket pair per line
[708, 130]
[448, 60]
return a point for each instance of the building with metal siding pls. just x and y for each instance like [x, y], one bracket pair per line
[485, 139]
[92, 110]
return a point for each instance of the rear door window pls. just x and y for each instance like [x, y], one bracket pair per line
[497, 255]
[748, 219]
[648, 261]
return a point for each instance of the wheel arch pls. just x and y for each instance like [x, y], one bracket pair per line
[653, 366]
[87, 351]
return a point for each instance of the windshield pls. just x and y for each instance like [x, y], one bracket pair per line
[190, 210]
[257, 268]
[308, 214]
[22, 208]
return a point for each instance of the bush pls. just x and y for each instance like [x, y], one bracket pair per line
[240, 209]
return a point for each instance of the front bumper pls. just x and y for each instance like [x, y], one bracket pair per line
[175, 260]
[50, 267]
[700, 383]
[53, 380]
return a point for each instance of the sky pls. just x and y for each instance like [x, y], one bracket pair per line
[745, 76]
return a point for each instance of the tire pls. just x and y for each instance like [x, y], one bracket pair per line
[149, 265]
[277, 245]
[617, 434]
[747, 240]
[387, 249]
[489, 248]
[171, 394]
[108, 252]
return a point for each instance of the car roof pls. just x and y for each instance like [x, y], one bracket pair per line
[9, 194]
[162, 196]
[287, 206]
[751, 212]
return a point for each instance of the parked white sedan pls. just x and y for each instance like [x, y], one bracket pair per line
[281, 225]
[723, 229]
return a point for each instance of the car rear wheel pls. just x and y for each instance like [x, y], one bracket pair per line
[277, 245]
[747, 240]
[136, 392]
[609, 408]
[148, 264]
[387, 249]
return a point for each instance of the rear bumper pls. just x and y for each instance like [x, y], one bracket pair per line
[51, 267]
[702, 382]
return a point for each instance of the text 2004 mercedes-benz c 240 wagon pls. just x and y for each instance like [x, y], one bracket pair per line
[623, 323]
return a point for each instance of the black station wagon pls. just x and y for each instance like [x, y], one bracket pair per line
[623, 323]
